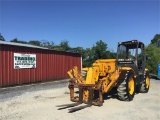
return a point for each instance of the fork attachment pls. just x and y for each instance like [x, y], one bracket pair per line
[86, 93]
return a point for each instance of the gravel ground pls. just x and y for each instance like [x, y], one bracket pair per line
[39, 101]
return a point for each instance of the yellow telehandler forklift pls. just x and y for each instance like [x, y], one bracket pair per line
[126, 73]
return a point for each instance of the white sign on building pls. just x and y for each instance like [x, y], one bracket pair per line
[24, 60]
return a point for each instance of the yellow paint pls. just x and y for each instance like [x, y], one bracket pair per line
[85, 69]
[70, 74]
[100, 68]
[89, 76]
[131, 86]
[127, 68]
[147, 82]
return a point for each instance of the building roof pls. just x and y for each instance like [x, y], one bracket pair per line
[30, 46]
[20, 44]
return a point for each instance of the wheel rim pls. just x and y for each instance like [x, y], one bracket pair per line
[147, 82]
[131, 86]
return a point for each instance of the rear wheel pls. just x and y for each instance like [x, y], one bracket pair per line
[126, 89]
[144, 87]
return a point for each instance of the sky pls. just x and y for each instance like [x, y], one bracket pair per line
[82, 23]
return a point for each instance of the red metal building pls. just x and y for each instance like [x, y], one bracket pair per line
[24, 64]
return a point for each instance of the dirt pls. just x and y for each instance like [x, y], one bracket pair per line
[39, 101]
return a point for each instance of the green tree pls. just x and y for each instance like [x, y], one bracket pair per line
[110, 55]
[100, 50]
[153, 52]
[58, 48]
[88, 58]
[156, 40]
[65, 45]
[18, 41]
[79, 50]
[1, 38]
[35, 42]
[48, 44]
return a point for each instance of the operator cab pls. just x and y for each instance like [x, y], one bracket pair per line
[131, 54]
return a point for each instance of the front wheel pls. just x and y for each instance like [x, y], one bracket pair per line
[144, 87]
[126, 89]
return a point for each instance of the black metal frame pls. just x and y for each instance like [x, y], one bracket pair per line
[136, 64]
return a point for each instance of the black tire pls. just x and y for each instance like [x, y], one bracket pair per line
[126, 89]
[144, 87]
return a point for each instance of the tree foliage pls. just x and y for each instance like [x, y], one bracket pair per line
[65, 45]
[89, 57]
[35, 42]
[47, 44]
[100, 50]
[1, 38]
[156, 40]
[19, 41]
[154, 53]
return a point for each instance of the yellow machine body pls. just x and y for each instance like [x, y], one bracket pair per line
[104, 74]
